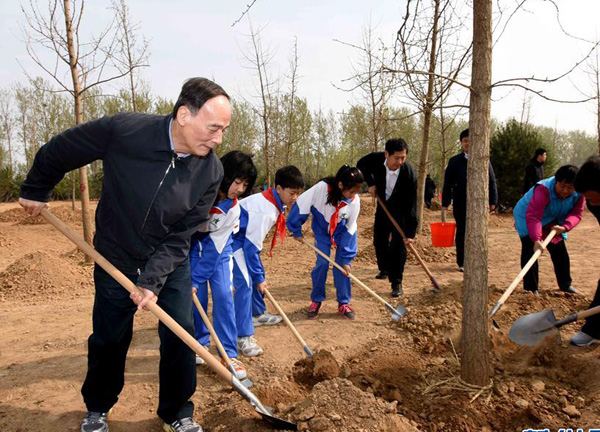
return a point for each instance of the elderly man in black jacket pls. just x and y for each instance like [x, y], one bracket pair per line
[455, 191]
[393, 180]
[160, 180]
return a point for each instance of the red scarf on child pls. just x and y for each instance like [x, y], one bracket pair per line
[280, 225]
[333, 221]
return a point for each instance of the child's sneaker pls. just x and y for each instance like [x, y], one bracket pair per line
[238, 367]
[184, 425]
[95, 422]
[248, 346]
[313, 310]
[266, 319]
[346, 311]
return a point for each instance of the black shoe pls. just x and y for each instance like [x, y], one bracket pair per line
[397, 290]
[381, 275]
[570, 290]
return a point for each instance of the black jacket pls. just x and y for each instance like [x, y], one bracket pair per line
[455, 184]
[403, 201]
[152, 200]
[429, 187]
[534, 172]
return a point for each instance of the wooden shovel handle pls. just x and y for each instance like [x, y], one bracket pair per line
[588, 312]
[165, 318]
[351, 276]
[211, 329]
[285, 317]
[525, 269]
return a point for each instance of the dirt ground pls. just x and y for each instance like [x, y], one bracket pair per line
[371, 374]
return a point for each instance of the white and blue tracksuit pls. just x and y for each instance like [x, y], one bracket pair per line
[210, 261]
[314, 200]
[258, 215]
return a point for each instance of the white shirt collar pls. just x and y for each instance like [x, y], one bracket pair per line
[389, 171]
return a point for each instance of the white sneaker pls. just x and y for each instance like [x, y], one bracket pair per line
[266, 319]
[582, 339]
[248, 346]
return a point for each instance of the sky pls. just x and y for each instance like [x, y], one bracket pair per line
[196, 38]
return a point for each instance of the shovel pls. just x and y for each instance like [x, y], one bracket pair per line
[213, 363]
[436, 286]
[397, 313]
[246, 381]
[307, 350]
[520, 276]
[531, 329]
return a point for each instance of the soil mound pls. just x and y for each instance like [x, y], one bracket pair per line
[319, 367]
[19, 217]
[328, 406]
[39, 275]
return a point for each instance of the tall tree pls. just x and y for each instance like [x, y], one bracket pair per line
[475, 364]
[429, 26]
[88, 63]
[6, 127]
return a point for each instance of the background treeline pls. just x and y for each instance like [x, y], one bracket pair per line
[317, 141]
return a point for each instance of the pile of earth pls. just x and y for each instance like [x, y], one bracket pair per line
[63, 212]
[41, 276]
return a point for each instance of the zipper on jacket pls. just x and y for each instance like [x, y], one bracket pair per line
[171, 165]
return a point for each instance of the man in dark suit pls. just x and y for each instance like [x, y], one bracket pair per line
[393, 180]
[455, 191]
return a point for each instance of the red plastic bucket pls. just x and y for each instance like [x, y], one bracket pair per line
[442, 234]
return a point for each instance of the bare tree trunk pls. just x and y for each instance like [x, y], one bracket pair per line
[427, 114]
[83, 180]
[475, 367]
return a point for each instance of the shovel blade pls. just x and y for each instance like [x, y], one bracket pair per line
[276, 422]
[530, 330]
[398, 313]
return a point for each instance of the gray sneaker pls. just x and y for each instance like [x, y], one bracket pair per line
[266, 319]
[95, 422]
[582, 339]
[184, 425]
[248, 346]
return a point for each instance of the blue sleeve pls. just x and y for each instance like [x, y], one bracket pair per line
[347, 246]
[295, 221]
[203, 256]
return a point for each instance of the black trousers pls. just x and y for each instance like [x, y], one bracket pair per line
[459, 237]
[391, 254]
[560, 259]
[592, 324]
[428, 199]
[112, 331]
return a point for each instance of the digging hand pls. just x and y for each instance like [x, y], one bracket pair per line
[33, 208]
[347, 269]
[408, 240]
[538, 246]
[262, 286]
[373, 191]
[142, 299]
[559, 229]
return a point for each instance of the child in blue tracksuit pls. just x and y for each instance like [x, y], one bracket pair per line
[210, 255]
[259, 212]
[334, 206]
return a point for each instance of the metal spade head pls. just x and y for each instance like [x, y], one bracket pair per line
[398, 313]
[530, 330]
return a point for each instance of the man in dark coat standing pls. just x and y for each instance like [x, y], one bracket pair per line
[455, 191]
[429, 190]
[534, 171]
[393, 180]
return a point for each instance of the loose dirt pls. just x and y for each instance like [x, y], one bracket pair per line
[371, 374]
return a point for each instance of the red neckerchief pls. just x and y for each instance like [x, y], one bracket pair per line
[333, 222]
[280, 224]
